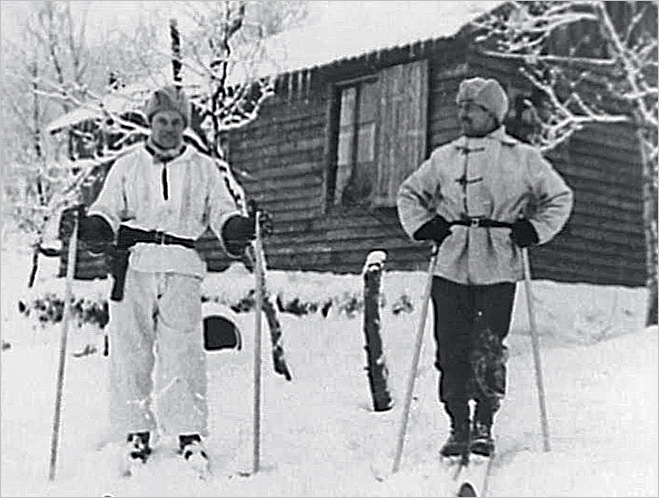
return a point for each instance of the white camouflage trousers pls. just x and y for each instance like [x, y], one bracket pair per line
[157, 360]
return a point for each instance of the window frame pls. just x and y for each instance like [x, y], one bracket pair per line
[412, 108]
[333, 117]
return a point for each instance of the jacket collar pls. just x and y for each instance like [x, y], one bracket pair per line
[499, 135]
[163, 155]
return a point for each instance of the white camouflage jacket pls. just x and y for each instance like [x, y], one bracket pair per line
[198, 193]
[495, 177]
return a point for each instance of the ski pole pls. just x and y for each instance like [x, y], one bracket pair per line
[258, 273]
[415, 361]
[68, 297]
[536, 348]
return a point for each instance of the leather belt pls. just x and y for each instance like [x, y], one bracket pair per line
[129, 236]
[479, 221]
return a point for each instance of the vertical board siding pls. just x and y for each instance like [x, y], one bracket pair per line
[403, 121]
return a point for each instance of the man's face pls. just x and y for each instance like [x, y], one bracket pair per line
[167, 129]
[475, 120]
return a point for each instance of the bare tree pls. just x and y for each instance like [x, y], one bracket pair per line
[618, 59]
[225, 48]
[222, 51]
[52, 55]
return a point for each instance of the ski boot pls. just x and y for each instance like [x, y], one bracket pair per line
[482, 442]
[136, 453]
[458, 441]
[193, 451]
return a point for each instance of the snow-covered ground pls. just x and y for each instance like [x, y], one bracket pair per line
[320, 435]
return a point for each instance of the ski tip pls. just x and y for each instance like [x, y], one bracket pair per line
[466, 489]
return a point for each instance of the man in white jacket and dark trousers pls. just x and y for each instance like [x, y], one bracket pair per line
[158, 199]
[481, 199]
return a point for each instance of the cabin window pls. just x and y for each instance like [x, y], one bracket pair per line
[379, 135]
[355, 151]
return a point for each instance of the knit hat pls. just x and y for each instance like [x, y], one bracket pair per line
[168, 98]
[487, 93]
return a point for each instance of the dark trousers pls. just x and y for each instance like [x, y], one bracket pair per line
[471, 322]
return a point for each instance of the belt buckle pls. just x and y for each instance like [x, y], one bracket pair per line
[159, 237]
[475, 221]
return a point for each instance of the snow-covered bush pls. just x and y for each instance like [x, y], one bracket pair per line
[49, 307]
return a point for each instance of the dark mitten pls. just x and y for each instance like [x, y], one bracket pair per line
[236, 234]
[239, 228]
[436, 229]
[524, 234]
[95, 232]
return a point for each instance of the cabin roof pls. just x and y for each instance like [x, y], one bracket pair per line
[370, 27]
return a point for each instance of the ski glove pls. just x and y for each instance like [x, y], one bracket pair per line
[243, 228]
[95, 232]
[239, 230]
[524, 234]
[436, 229]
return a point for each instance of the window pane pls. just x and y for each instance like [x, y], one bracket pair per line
[344, 148]
[366, 144]
[368, 102]
[343, 174]
[348, 99]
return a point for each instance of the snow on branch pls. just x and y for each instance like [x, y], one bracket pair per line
[640, 90]
[613, 82]
[528, 26]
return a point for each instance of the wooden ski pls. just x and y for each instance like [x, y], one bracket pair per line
[473, 475]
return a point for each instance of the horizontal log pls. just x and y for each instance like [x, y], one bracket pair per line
[615, 183]
[295, 168]
[302, 199]
[256, 162]
[629, 231]
[363, 236]
[286, 186]
[591, 264]
[298, 215]
[290, 206]
[328, 224]
[302, 138]
[617, 208]
[603, 133]
[283, 144]
[262, 128]
[604, 151]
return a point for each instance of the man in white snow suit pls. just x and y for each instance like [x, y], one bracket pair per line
[157, 200]
[480, 199]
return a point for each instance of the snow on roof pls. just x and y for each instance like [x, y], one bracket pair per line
[348, 29]
[337, 30]
[113, 103]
